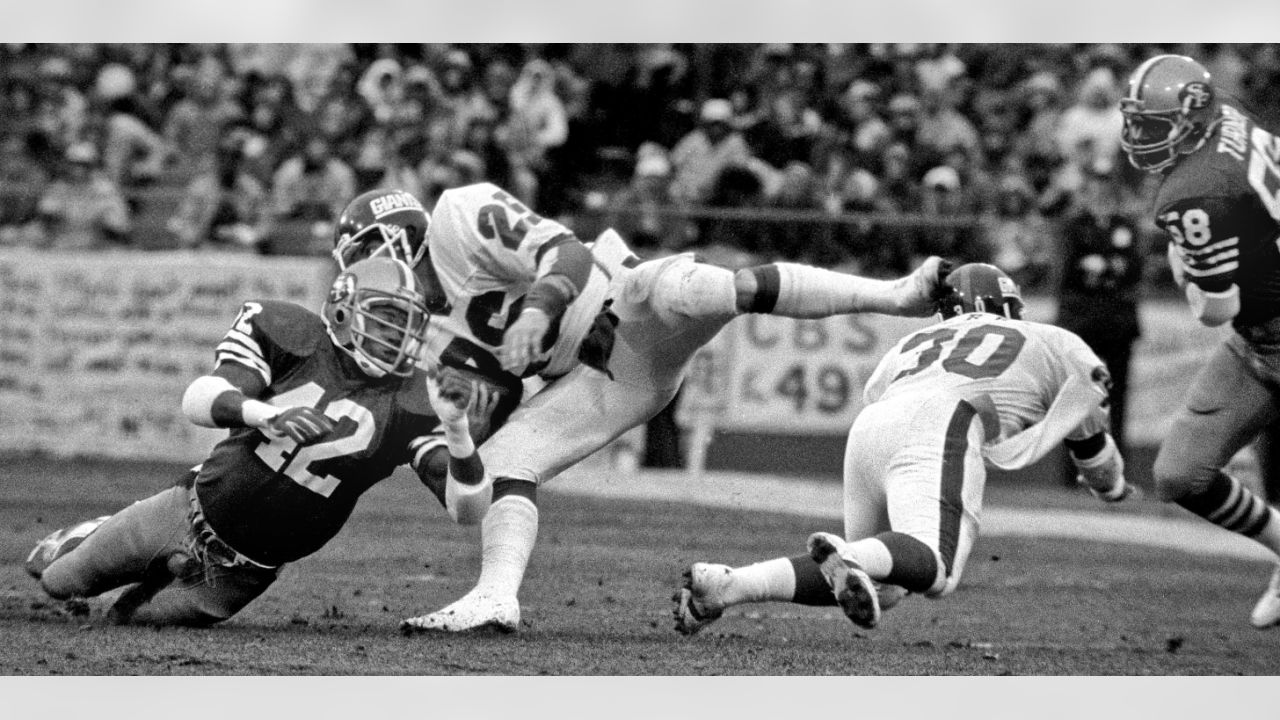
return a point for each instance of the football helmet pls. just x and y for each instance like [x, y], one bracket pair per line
[1168, 109]
[381, 222]
[979, 287]
[376, 313]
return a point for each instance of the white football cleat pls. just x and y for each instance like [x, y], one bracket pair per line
[1267, 612]
[855, 592]
[473, 611]
[59, 543]
[698, 602]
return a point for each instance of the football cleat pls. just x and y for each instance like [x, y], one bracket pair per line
[698, 601]
[855, 592]
[1267, 612]
[888, 595]
[473, 611]
[59, 543]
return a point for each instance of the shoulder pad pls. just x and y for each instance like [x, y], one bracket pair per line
[293, 328]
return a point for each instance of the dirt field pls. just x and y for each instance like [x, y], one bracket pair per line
[596, 600]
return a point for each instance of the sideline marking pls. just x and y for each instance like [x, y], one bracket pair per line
[823, 498]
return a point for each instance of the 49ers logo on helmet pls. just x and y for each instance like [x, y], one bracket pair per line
[1196, 95]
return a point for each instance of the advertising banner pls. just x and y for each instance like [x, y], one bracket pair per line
[99, 347]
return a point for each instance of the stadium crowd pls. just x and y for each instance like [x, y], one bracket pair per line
[857, 156]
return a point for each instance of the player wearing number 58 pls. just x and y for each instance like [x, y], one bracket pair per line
[319, 408]
[981, 387]
[1219, 203]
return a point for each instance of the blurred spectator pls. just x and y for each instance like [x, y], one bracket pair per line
[22, 183]
[946, 199]
[1094, 119]
[196, 123]
[308, 192]
[134, 152]
[701, 155]
[60, 109]
[737, 187]
[641, 212]
[942, 129]
[792, 239]
[84, 210]
[1018, 237]
[538, 124]
[1100, 280]
[224, 207]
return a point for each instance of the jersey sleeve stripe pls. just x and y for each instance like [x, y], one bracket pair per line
[245, 340]
[550, 245]
[420, 446]
[229, 352]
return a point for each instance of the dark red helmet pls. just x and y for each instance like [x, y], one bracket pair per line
[979, 287]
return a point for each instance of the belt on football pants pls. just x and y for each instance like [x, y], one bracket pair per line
[211, 547]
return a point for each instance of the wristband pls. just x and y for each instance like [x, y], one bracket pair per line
[257, 413]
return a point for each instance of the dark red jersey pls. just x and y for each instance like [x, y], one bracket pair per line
[1221, 208]
[275, 501]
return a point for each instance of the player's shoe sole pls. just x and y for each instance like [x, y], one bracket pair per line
[1267, 612]
[471, 613]
[855, 592]
[59, 543]
[696, 603]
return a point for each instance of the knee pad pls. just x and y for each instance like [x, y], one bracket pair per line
[692, 289]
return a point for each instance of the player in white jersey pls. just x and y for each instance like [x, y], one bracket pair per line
[981, 387]
[611, 335]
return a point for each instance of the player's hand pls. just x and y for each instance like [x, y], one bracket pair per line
[522, 343]
[303, 425]
[484, 400]
[920, 291]
[452, 397]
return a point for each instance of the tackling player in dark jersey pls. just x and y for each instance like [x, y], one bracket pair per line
[320, 408]
[1219, 202]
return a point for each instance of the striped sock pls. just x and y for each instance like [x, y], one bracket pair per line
[800, 291]
[1227, 503]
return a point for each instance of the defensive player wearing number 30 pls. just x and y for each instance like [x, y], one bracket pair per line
[319, 409]
[982, 386]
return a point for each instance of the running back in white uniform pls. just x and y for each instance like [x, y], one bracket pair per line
[488, 249]
[937, 402]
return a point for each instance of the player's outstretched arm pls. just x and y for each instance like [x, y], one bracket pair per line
[227, 399]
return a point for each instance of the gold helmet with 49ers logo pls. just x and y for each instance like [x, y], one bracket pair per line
[1169, 109]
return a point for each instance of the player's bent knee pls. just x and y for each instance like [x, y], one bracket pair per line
[1174, 478]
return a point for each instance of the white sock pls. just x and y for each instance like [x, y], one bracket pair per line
[809, 292]
[507, 535]
[1270, 535]
[873, 556]
[763, 581]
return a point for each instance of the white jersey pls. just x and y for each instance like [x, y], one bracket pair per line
[1022, 366]
[488, 249]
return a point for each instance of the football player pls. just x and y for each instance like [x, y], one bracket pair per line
[319, 408]
[610, 335]
[981, 386]
[1219, 203]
